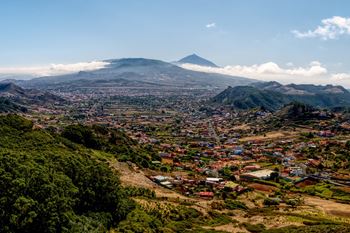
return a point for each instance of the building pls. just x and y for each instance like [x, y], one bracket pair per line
[206, 194]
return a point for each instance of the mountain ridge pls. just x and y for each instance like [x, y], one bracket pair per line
[273, 95]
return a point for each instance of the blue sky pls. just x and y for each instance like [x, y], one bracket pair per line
[41, 32]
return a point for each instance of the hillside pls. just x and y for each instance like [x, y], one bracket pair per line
[142, 71]
[273, 95]
[49, 184]
[7, 106]
[19, 95]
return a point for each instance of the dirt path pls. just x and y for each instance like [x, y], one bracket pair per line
[130, 177]
[329, 207]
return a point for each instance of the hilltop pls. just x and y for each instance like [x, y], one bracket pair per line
[273, 95]
[22, 96]
[196, 60]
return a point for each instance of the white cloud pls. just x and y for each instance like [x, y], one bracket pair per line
[53, 69]
[266, 71]
[315, 63]
[210, 25]
[341, 79]
[314, 73]
[330, 28]
[340, 76]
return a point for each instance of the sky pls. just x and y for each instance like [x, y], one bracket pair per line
[289, 41]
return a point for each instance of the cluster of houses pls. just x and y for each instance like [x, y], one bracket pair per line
[201, 187]
[246, 162]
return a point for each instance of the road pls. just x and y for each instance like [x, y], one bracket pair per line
[213, 133]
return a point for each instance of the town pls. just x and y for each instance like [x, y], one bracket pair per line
[211, 151]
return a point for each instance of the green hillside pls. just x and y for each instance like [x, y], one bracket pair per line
[48, 184]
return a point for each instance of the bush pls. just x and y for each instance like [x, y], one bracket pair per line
[218, 219]
[139, 192]
[254, 228]
[293, 202]
[271, 201]
[82, 135]
[216, 205]
[233, 204]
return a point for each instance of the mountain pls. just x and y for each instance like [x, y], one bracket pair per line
[21, 96]
[139, 70]
[273, 95]
[196, 60]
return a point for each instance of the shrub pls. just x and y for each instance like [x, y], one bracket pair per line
[233, 204]
[254, 228]
[271, 201]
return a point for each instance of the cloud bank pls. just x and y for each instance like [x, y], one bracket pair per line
[53, 69]
[269, 71]
[314, 73]
[330, 28]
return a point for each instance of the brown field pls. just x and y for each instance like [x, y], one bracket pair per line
[262, 187]
[269, 136]
[329, 207]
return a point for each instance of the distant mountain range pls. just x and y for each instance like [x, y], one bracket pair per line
[196, 60]
[140, 72]
[273, 95]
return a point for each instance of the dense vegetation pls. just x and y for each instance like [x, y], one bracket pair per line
[49, 185]
[247, 97]
[111, 141]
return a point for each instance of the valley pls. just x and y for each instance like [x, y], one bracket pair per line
[175, 116]
[193, 153]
